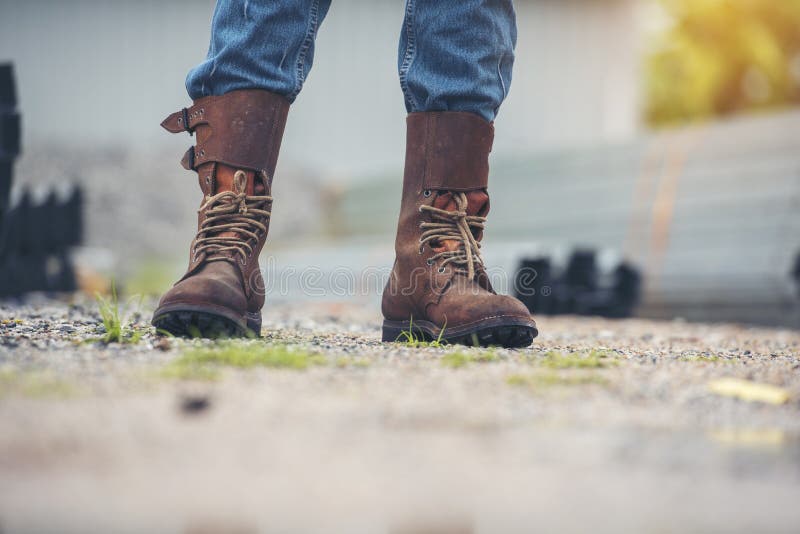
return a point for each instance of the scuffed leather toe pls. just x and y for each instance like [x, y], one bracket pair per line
[459, 309]
[217, 285]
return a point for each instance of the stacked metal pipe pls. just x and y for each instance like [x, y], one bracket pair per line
[35, 237]
[580, 288]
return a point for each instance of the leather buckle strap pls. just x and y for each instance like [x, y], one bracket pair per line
[241, 129]
[185, 120]
[188, 161]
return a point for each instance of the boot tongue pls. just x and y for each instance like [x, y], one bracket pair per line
[226, 181]
[477, 204]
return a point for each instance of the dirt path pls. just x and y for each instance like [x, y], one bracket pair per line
[606, 426]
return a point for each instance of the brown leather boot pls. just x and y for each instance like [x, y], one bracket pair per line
[438, 287]
[238, 139]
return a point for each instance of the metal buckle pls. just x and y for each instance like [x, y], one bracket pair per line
[185, 116]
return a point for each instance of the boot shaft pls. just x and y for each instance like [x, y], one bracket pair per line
[446, 173]
[445, 152]
[238, 136]
[438, 288]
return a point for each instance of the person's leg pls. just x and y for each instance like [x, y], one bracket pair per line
[260, 54]
[455, 68]
[457, 55]
[259, 44]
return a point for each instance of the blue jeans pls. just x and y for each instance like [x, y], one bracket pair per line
[455, 55]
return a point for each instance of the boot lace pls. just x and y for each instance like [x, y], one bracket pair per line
[235, 213]
[454, 226]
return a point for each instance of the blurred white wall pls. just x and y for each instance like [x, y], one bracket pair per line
[106, 72]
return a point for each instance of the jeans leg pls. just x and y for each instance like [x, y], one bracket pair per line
[259, 44]
[457, 55]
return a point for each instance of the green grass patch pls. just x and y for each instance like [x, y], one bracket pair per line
[117, 329]
[186, 370]
[206, 363]
[704, 359]
[554, 379]
[409, 338]
[350, 361]
[594, 359]
[34, 384]
[460, 359]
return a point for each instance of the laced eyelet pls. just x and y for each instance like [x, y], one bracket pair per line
[422, 249]
[441, 270]
[429, 261]
[426, 193]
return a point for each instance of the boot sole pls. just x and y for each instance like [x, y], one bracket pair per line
[201, 322]
[501, 331]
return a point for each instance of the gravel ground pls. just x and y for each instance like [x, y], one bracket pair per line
[602, 425]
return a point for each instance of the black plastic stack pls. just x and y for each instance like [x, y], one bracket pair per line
[9, 134]
[578, 289]
[35, 238]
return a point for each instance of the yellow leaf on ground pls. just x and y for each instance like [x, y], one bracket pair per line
[749, 391]
[749, 437]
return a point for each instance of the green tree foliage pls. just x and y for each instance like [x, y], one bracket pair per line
[720, 57]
